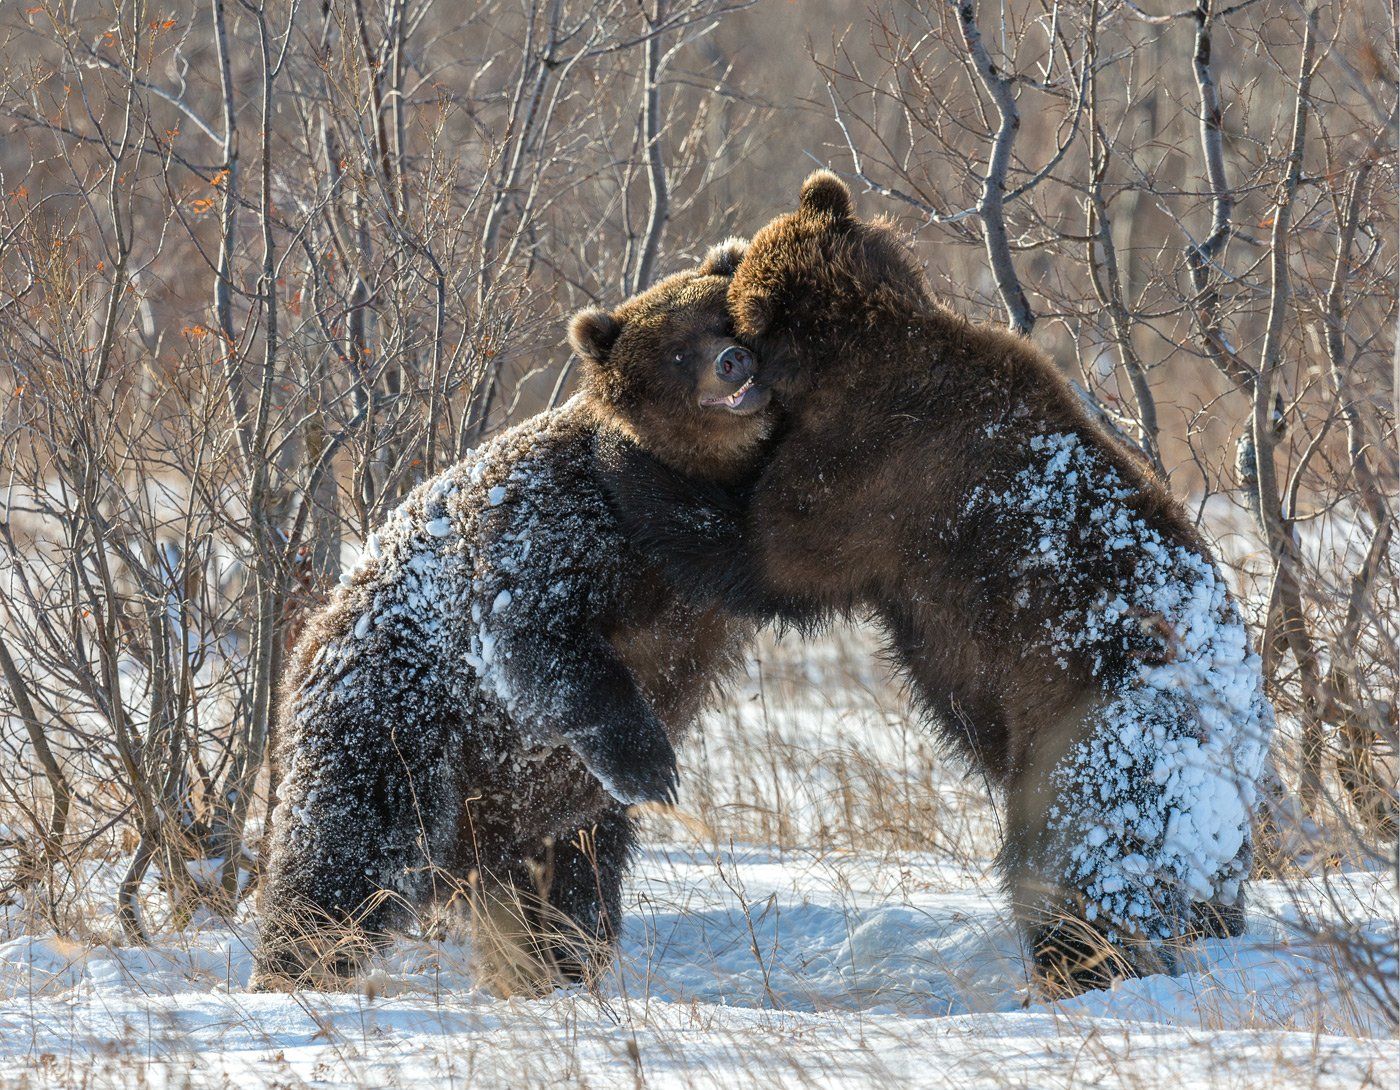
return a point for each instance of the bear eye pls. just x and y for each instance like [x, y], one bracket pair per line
[679, 357]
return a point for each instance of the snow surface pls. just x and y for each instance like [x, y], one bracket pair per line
[743, 965]
[739, 968]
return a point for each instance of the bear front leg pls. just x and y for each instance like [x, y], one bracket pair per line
[573, 685]
[368, 804]
[585, 876]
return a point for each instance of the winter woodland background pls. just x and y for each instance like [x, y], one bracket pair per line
[265, 266]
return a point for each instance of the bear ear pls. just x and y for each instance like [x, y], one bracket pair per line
[824, 194]
[593, 332]
[753, 313]
[723, 258]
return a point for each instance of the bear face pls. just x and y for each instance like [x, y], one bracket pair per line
[813, 282]
[666, 369]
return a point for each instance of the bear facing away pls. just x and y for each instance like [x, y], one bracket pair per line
[1054, 610]
[501, 673]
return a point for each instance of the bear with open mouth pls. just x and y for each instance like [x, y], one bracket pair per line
[501, 674]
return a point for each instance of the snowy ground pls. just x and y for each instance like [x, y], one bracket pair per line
[828, 918]
[742, 969]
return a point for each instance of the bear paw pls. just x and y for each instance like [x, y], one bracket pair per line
[633, 766]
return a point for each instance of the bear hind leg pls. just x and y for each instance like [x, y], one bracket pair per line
[1070, 956]
[1071, 951]
[1210, 920]
[585, 876]
[357, 833]
[1223, 916]
[505, 918]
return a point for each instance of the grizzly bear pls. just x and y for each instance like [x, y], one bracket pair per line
[501, 675]
[1054, 610]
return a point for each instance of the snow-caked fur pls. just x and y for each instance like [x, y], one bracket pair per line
[499, 675]
[1154, 800]
[1055, 612]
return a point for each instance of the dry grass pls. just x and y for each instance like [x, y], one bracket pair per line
[814, 806]
[236, 327]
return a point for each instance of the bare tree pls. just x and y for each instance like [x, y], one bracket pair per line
[1253, 222]
[266, 266]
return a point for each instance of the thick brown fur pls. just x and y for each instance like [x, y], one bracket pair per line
[902, 418]
[649, 362]
[471, 713]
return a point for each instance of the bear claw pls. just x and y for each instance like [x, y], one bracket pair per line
[635, 768]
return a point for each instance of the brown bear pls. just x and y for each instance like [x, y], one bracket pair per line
[501, 674]
[1056, 613]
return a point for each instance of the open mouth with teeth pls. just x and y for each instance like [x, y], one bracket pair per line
[733, 399]
[748, 397]
[733, 372]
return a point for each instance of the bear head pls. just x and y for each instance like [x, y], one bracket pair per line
[815, 280]
[666, 370]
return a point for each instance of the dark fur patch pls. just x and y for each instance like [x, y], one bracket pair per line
[695, 528]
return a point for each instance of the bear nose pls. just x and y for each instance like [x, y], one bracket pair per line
[734, 364]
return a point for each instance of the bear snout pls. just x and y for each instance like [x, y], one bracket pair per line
[734, 364]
